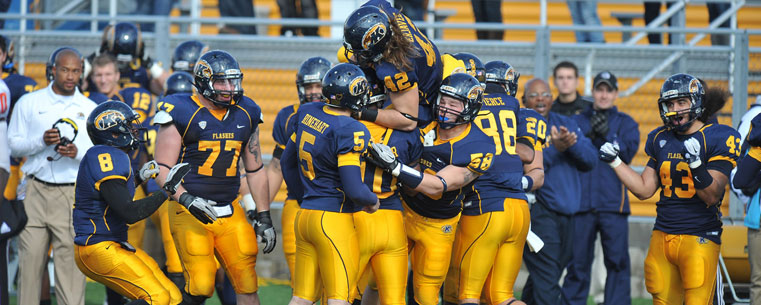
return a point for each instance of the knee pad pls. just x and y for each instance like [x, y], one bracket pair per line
[192, 299]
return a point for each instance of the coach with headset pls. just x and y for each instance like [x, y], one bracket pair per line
[51, 171]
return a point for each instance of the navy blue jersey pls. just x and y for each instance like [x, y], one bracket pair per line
[19, 85]
[96, 97]
[142, 102]
[136, 76]
[427, 68]
[531, 124]
[212, 141]
[93, 222]
[680, 210]
[407, 146]
[285, 121]
[326, 141]
[472, 149]
[499, 120]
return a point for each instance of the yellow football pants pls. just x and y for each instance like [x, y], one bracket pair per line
[383, 244]
[430, 245]
[288, 219]
[487, 253]
[132, 274]
[327, 251]
[231, 240]
[681, 269]
[160, 218]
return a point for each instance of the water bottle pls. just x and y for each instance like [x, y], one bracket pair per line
[21, 189]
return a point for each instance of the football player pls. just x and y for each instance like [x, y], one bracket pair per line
[380, 37]
[309, 88]
[473, 66]
[492, 230]
[124, 41]
[382, 241]
[178, 82]
[18, 85]
[211, 129]
[323, 158]
[690, 161]
[455, 153]
[105, 183]
[186, 54]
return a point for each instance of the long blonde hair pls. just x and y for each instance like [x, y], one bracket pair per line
[399, 51]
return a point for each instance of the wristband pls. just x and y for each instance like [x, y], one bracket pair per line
[253, 171]
[248, 202]
[615, 163]
[529, 183]
[409, 176]
[369, 115]
[701, 177]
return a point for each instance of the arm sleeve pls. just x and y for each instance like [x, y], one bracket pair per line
[21, 142]
[629, 139]
[114, 190]
[583, 151]
[351, 179]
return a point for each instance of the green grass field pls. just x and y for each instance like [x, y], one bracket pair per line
[269, 293]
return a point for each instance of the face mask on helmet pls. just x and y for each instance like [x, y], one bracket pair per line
[459, 100]
[366, 33]
[675, 90]
[226, 88]
[309, 79]
[115, 124]
[218, 78]
[346, 86]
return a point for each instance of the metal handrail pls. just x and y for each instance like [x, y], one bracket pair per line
[317, 22]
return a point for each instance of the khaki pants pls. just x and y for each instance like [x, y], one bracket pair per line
[754, 256]
[49, 209]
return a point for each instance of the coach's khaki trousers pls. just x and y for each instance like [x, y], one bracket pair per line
[754, 256]
[49, 209]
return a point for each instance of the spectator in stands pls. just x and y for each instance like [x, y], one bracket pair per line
[153, 7]
[567, 153]
[752, 210]
[604, 200]
[584, 12]
[715, 9]
[237, 8]
[652, 11]
[306, 9]
[569, 101]
[52, 171]
[488, 11]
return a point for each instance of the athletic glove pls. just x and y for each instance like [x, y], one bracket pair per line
[754, 134]
[202, 209]
[700, 176]
[265, 232]
[174, 178]
[599, 123]
[609, 153]
[692, 152]
[149, 170]
[382, 156]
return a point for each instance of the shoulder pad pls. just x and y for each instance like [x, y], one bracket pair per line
[162, 118]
